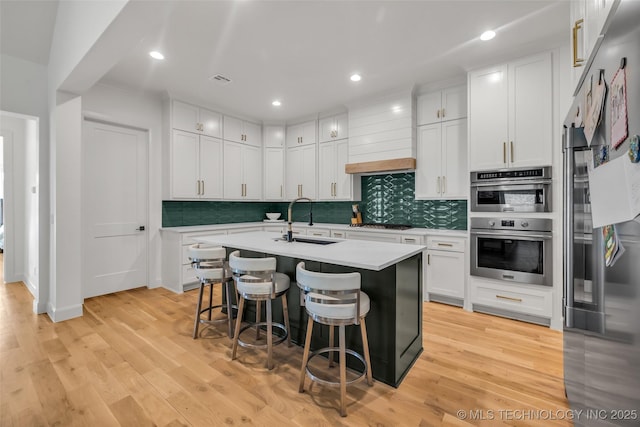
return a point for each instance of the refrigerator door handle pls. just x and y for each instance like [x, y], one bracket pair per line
[568, 300]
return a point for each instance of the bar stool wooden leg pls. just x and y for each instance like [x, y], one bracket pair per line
[332, 341]
[285, 312]
[198, 308]
[269, 336]
[365, 350]
[343, 372]
[305, 355]
[237, 333]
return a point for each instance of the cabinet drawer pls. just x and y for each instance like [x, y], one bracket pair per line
[376, 237]
[321, 232]
[339, 234]
[513, 297]
[446, 243]
[412, 240]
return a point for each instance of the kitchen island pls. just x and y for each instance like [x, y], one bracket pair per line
[390, 276]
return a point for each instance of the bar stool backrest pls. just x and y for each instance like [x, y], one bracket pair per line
[332, 289]
[208, 261]
[250, 273]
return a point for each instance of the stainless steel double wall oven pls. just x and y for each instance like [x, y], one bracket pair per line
[513, 248]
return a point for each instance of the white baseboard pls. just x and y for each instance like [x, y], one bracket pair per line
[39, 307]
[32, 285]
[65, 313]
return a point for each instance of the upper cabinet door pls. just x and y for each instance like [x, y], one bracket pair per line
[429, 106]
[233, 129]
[252, 134]
[185, 165]
[428, 168]
[252, 172]
[455, 172]
[274, 136]
[488, 134]
[185, 117]
[530, 112]
[454, 103]
[210, 168]
[211, 123]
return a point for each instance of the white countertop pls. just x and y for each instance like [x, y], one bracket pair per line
[329, 226]
[351, 253]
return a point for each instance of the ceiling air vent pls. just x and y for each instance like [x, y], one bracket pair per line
[220, 79]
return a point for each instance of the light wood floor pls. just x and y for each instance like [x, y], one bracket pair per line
[130, 360]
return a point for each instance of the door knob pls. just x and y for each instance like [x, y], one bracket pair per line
[141, 228]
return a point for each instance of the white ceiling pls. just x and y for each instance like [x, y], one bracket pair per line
[303, 52]
[26, 28]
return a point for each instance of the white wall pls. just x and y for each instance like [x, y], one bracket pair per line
[24, 91]
[65, 299]
[136, 109]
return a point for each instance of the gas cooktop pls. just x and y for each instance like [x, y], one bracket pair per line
[383, 226]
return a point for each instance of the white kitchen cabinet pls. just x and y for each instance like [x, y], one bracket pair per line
[512, 300]
[373, 236]
[242, 171]
[445, 270]
[242, 131]
[588, 20]
[333, 128]
[177, 273]
[333, 182]
[273, 173]
[196, 166]
[274, 136]
[300, 172]
[441, 164]
[447, 104]
[301, 134]
[190, 118]
[318, 232]
[510, 114]
[339, 234]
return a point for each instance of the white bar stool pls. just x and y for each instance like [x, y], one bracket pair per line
[256, 279]
[209, 264]
[334, 299]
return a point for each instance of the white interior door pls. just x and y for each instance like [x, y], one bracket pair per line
[115, 208]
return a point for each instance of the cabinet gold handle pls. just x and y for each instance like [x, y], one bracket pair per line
[198, 187]
[438, 185]
[444, 185]
[438, 114]
[202, 187]
[443, 113]
[509, 298]
[448, 245]
[577, 62]
[511, 150]
[504, 152]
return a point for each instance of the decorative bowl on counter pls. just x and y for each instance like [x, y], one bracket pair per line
[273, 216]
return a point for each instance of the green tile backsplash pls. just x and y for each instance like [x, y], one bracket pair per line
[387, 198]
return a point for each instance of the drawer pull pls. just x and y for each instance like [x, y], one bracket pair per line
[509, 298]
[448, 245]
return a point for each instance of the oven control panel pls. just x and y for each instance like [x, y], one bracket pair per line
[533, 224]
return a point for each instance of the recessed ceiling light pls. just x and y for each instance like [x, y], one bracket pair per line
[156, 55]
[276, 103]
[356, 77]
[487, 35]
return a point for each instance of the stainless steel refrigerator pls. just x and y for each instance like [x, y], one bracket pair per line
[602, 304]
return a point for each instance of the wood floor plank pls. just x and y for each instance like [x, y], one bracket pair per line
[131, 360]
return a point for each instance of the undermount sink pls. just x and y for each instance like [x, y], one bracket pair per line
[308, 240]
